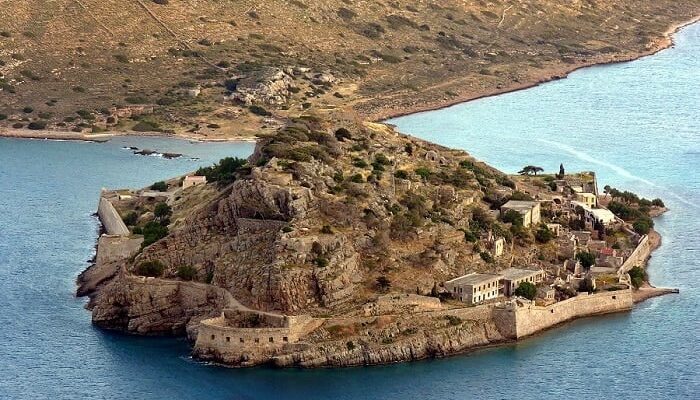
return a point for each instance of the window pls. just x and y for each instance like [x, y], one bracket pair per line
[614, 297]
[272, 340]
[257, 340]
[213, 337]
[242, 340]
[285, 339]
[228, 339]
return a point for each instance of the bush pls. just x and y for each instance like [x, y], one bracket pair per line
[383, 283]
[28, 110]
[526, 290]
[160, 186]
[401, 174]
[586, 285]
[342, 134]
[186, 272]
[350, 345]
[326, 229]
[136, 100]
[486, 256]
[321, 262]
[224, 171]
[257, 110]
[513, 217]
[121, 58]
[18, 125]
[153, 232]
[543, 234]
[161, 2]
[453, 320]
[638, 276]
[152, 268]
[423, 172]
[130, 219]
[84, 114]
[146, 126]
[357, 178]
[657, 203]
[37, 125]
[3, 117]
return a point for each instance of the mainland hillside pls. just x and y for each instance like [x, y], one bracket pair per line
[213, 69]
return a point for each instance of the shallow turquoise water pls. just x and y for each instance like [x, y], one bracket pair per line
[637, 124]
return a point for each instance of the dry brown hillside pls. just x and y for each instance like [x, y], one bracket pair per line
[61, 56]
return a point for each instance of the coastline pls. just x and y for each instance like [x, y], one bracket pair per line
[548, 75]
[12, 133]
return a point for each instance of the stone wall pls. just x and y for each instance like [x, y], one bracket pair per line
[397, 303]
[519, 319]
[110, 218]
[638, 257]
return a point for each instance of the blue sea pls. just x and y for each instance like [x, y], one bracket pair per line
[637, 124]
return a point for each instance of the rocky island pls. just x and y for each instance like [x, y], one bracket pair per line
[342, 243]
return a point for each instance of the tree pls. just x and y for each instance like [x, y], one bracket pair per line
[130, 219]
[160, 186]
[383, 283]
[641, 226]
[561, 171]
[658, 203]
[162, 211]
[152, 232]
[526, 290]
[543, 234]
[530, 169]
[637, 276]
[586, 259]
[586, 285]
[513, 217]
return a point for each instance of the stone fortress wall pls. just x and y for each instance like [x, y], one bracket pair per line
[517, 318]
[110, 218]
[639, 256]
[233, 334]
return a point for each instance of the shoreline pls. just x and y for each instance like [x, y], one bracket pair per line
[12, 133]
[553, 74]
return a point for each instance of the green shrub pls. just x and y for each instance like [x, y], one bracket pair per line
[321, 262]
[153, 232]
[357, 178]
[84, 114]
[257, 110]
[130, 218]
[423, 172]
[160, 186]
[401, 174]
[37, 125]
[453, 320]
[18, 125]
[587, 259]
[224, 171]
[121, 58]
[543, 234]
[186, 272]
[162, 211]
[526, 290]
[350, 345]
[28, 110]
[287, 229]
[3, 117]
[136, 100]
[341, 134]
[326, 229]
[486, 256]
[153, 268]
[360, 163]
[638, 275]
[146, 126]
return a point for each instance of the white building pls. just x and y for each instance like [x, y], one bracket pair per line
[475, 288]
[513, 277]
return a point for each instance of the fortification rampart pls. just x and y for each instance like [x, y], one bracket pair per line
[640, 254]
[518, 319]
[110, 218]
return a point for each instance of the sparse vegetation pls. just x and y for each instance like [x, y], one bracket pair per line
[152, 268]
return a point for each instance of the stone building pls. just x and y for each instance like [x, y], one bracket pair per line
[530, 211]
[474, 288]
[513, 277]
[193, 180]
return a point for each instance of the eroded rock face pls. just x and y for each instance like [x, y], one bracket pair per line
[150, 306]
